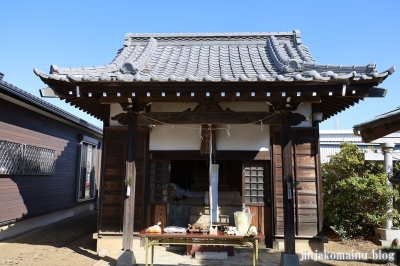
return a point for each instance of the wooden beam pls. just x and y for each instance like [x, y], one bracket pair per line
[224, 117]
[213, 117]
[158, 87]
[220, 155]
[200, 97]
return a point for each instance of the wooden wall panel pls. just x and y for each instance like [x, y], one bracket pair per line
[113, 186]
[308, 188]
[157, 213]
[112, 180]
[306, 201]
[306, 148]
[141, 171]
[304, 174]
[308, 207]
[307, 229]
[305, 161]
[24, 196]
[307, 215]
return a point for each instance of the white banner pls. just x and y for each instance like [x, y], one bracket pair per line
[214, 192]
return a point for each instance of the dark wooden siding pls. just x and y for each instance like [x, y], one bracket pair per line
[24, 196]
[306, 174]
[141, 172]
[112, 180]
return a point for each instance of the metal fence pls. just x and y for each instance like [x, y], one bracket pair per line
[22, 159]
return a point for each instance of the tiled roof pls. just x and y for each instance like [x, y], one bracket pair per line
[21, 95]
[214, 57]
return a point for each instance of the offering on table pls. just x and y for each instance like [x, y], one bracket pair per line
[175, 229]
[154, 229]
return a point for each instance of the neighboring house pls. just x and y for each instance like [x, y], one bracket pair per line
[379, 126]
[330, 142]
[49, 162]
[252, 100]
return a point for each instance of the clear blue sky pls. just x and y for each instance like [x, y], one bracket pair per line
[85, 33]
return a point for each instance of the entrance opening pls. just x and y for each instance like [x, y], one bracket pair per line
[194, 175]
[239, 182]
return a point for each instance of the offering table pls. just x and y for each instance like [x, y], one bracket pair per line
[220, 239]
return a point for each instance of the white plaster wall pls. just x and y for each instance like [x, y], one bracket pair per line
[186, 137]
[114, 110]
[176, 137]
[243, 138]
[306, 110]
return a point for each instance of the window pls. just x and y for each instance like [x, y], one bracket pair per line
[159, 181]
[253, 183]
[38, 161]
[86, 172]
[86, 169]
[22, 159]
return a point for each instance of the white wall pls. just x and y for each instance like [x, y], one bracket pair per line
[243, 137]
[114, 110]
[187, 137]
[306, 110]
[176, 137]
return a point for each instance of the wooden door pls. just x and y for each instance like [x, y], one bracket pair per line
[158, 193]
[307, 194]
[256, 194]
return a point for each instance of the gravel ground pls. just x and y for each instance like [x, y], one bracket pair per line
[67, 242]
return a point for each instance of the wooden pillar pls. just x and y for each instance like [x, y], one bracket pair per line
[130, 178]
[287, 179]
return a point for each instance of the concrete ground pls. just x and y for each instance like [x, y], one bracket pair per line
[167, 256]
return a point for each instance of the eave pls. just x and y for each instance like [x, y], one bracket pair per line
[332, 98]
[379, 127]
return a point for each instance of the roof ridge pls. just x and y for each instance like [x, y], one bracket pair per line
[211, 34]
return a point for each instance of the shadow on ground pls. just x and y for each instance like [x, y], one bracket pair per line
[67, 242]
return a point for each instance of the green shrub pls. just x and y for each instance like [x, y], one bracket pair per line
[355, 193]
